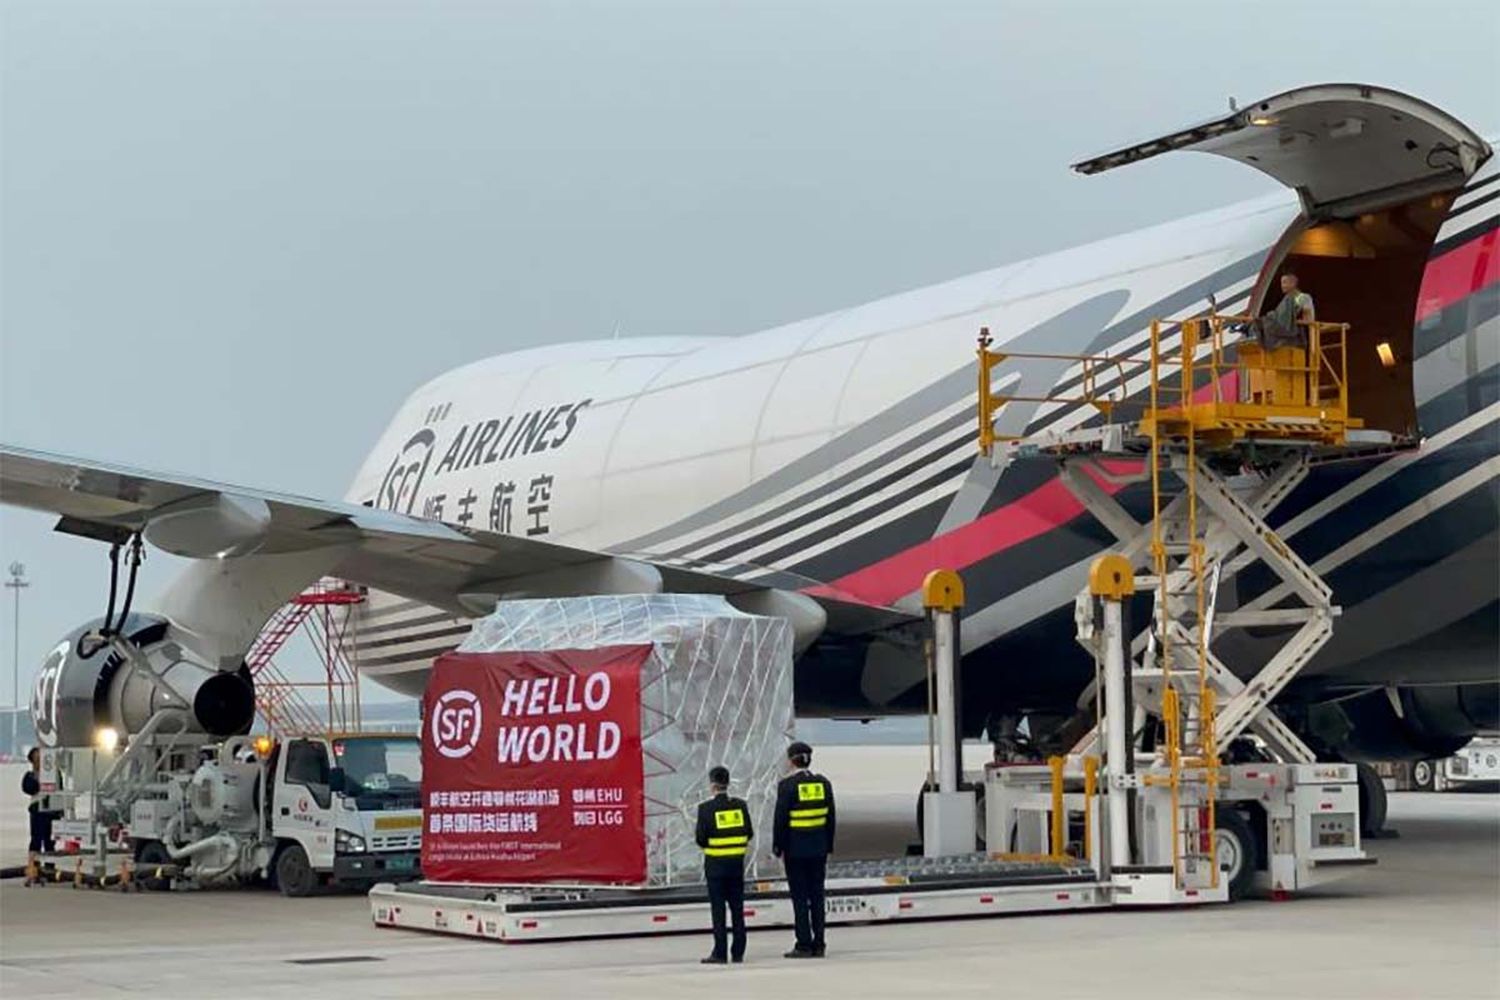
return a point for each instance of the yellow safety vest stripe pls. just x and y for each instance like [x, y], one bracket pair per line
[806, 813]
[725, 841]
[724, 852]
[804, 823]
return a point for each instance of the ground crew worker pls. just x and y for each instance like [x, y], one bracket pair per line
[724, 833]
[1277, 363]
[39, 816]
[802, 838]
[1285, 326]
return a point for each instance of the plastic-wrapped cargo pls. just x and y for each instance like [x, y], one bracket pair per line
[570, 739]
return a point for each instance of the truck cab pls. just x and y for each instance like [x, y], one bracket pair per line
[345, 809]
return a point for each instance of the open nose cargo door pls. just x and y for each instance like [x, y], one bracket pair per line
[1345, 148]
[1376, 172]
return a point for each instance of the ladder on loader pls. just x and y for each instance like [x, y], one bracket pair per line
[1201, 417]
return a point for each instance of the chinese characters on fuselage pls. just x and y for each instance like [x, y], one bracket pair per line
[487, 505]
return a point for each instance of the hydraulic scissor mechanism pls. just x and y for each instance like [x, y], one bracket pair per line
[1219, 434]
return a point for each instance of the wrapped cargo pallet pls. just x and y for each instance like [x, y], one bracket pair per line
[569, 740]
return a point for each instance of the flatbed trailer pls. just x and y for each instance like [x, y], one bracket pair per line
[858, 892]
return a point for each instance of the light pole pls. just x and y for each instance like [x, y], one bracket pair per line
[16, 583]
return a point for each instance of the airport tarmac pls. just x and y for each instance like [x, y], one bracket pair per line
[1424, 922]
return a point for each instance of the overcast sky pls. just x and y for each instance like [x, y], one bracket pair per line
[233, 235]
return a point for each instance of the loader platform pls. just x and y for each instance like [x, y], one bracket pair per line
[864, 891]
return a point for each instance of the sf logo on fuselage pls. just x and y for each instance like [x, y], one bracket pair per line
[44, 694]
[455, 723]
[398, 491]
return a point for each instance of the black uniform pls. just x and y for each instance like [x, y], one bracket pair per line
[724, 833]
[39, 817]
[803, 839]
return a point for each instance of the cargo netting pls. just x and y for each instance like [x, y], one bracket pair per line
[715, 690]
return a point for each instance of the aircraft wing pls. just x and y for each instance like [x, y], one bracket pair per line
[257, 549]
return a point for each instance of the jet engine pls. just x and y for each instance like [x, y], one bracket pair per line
[85, 685]
[1409, 723]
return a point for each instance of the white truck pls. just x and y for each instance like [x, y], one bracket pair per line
[1477, 764]
[143, 755]
[301, 813]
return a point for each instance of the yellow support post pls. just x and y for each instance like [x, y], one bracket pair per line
[1090, 786]
[1189, 357]
[1059, 825]
[987, 361]
[1211, 772]
[1172, 722]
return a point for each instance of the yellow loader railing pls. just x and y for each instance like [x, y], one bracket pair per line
[1287, 377]
[1206, 376]
[1092, 369]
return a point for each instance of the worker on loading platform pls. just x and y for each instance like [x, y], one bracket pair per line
[724, 833]
[1277, 361]
[1286, 325]
[803, 839]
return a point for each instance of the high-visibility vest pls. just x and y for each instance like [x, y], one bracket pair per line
[729, 834]
[1300, 301]
[811, 811]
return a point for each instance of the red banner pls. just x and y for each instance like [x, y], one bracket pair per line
[531, 767]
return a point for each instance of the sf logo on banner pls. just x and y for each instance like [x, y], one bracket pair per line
[455, 723]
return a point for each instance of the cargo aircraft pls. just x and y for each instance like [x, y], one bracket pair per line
[820, 469]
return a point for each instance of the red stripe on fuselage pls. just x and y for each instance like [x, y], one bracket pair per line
[1047, 507]
[1228, 390]
[1459, 273]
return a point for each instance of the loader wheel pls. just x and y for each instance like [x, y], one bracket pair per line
[1372, 801]
[1235, 849]
[1423, 776]
[149, 856]
[294, 874]
[152, 852]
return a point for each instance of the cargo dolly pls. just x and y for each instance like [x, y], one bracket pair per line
[858, 892]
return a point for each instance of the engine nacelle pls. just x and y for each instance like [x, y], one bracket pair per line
[75, 695]
[1416, 723]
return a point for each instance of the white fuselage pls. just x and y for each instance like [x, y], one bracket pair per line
[642, 432]
[835, 455]
[634, 446]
